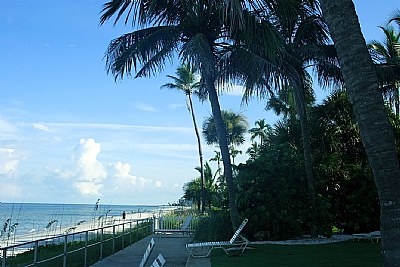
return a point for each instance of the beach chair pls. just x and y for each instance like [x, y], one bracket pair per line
[147, 253]
[225, 245]
[375, 235]
[159, 261]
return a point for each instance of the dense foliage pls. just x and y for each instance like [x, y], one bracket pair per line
[272, 185]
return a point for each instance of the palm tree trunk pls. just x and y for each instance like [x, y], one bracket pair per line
[308, 165]
[397, 100]
[203, 192]
[223, 145]
[376, 133]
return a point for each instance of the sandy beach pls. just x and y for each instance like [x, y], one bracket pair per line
[84, 226]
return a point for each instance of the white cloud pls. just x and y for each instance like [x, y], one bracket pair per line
[8, 161]
[10, 190]
[42, 127]
[120, 173]
[233, 89]
[121, 127]
[88, 187]
[158, 184]
[175, 106]
[144, 107]
[90, 172]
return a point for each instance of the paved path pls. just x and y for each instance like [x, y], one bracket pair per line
[172, 247]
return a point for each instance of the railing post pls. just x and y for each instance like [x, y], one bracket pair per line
[65, 250]
[137, 230]
[35, 253]
[86, 247]
[4, 257]
[123, 234]
[130, 233]
[113, 240]
[101, 244]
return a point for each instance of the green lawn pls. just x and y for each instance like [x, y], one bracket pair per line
[362, 253]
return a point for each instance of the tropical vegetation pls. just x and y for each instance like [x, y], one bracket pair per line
[317, 169]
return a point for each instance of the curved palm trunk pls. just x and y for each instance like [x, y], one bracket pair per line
[305, 134]
[203, 192]
[376, 133]
[223, 144]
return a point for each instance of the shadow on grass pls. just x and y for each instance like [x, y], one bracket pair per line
[362, 254]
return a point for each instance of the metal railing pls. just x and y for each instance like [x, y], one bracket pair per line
[175, 224]
[119, 235]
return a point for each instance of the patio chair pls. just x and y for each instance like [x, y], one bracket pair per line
[375, 235]
[225, 245]
[147, 253]
[159, 261]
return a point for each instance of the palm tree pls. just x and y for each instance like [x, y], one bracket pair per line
[387, 54]
[396, 17]
[235, 125]
[209, 183]
[194, 31]
[218, 159]
[305, 44]
[185, 81]
[191, 191]
[376, 133]
[261, 131]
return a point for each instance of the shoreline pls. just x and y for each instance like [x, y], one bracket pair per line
[82, 226]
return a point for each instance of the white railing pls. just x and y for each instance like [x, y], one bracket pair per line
[87, 239]
[175, 224]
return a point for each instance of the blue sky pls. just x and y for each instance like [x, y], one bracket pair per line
[70, 134]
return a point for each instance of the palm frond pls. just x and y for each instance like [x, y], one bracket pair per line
[144, 51]
[119, 7]
[197, 52]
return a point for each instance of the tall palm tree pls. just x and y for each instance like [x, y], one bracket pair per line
[305, 44]
[387, 54]
[261, 131]
[236, 126]
[376, 133]
[186, 81]
[194, 31]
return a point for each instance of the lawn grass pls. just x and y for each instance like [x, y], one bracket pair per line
[349, 253]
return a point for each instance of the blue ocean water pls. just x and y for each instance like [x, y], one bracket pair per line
[35, 217]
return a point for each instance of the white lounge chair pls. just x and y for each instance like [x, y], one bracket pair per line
[159, 261]
[225, 245]
[375, 235]
[147, 253]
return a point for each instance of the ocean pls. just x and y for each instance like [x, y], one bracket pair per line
[27, 218]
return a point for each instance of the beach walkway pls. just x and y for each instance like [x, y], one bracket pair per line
[172, 247]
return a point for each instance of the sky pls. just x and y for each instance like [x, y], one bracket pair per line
[70, 134]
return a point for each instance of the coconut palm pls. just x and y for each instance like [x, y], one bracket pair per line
[396, 17]
[209, 183]
[305, 44]
[235, 123]
[261, 131]
[376, 133]
[194, 32]
[387, 54]
[185, 81]
[192, 192]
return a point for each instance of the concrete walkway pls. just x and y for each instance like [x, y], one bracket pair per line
[172, 247]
